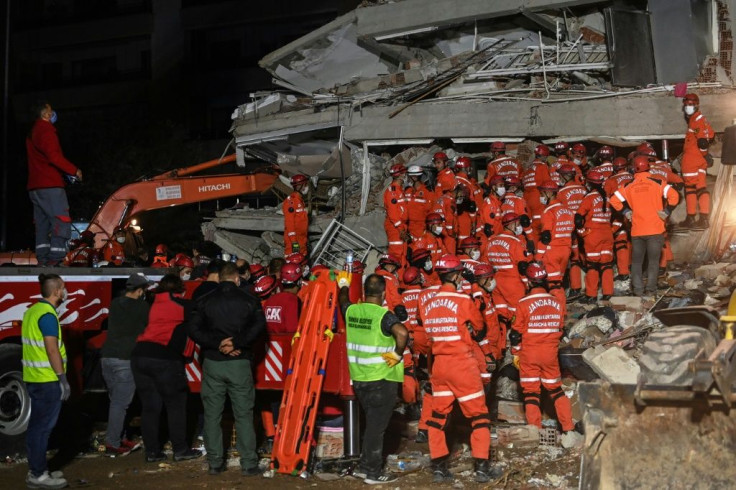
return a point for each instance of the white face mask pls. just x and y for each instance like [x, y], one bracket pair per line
[304, 190]
[500, 191]
[475, 254]
[120, 239]
[427, 266]
[437, 230]
[689, 110]
[185, 277]
[543, 199]
[64, 295]
[518, 230]
[459, 200]
[305, 274]
[577, 161]
[491, 285]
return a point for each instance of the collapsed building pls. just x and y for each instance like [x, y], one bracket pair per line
[393, 82]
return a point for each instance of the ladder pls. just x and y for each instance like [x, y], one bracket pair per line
[304, 378]
[334, 244]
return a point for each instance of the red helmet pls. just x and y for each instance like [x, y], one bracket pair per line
[470, 242]
[434, 218]
[646, 149]
[412, 275]
[566, 169]
[118, 259]
[299, 179]
[181, 260]
[605, 152]
[463, 163]
[389, 259]
[420, 254]
[541, 151]
[497, 179]
[74, 243]
[620, 163]
[579, 148]
[498, 146]
[448, 263]
[358, 266]
[595, 176]
[512, 181]
[257, 271]
[562, 160]
[296, 258]
[693, 99]
[483, 270]
[536, 272]
[161, 249]
[397, 170]
[509, 218]
[291, 273]
[265, 286]
[547, 185]
[561, 147]
[87, 235]
[440, 155]
[641, 164]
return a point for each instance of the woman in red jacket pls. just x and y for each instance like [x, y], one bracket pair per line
[158, 371]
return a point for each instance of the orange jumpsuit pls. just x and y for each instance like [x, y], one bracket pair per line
[445, 182]
[396, 217]
[113, 252]
[605, 168]
[694, 165]
[466, 224]
[418, 202]
[425, 295]
[410, 387]
[571, 195]
[535, 175]
[80, 257]
[455, 371]
[539, 319]
[559, 221]
[433, 243]
[474, 190]
[494, 329]
[296, 224]
[490, 213]
[504, 253]
[621, 240]
[393, 298]
[504, 166]
[516, 204]
[598, 239]
[445, 206]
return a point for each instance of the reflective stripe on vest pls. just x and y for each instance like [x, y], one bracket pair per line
[36, 365]
[366, 343]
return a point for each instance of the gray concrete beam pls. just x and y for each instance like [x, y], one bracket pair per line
[409, 15]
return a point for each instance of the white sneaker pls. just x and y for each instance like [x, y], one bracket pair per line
[44, 481]
[571, 439]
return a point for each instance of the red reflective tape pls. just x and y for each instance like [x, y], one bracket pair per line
[65, 219]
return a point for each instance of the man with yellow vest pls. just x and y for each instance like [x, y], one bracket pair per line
[375, 344]
[44, 372]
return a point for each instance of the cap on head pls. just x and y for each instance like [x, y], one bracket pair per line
[138, 280]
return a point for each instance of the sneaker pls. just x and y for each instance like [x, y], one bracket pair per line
[132, 445]
[571, 439]
[422, 436]
[113, 452]
[216, 470]
[188, 454]
[155, 457]
[250, 471]
[45, 480]
[380, 479]
[358, 473]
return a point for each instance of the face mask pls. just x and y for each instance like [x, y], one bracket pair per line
[120, 239]
[518, 230]
[305, 274]
[491, 285]
[437, 230]
[54, 117]
[475, 254]
[689, 110]
[459, 200]
[185, 277]
[543, 199]
[427, 266]
[500, 191]
[64, 295]
[304, 190]
[576, 161]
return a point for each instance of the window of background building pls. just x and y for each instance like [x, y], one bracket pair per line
[95, 70]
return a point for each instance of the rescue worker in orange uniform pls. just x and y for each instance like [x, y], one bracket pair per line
[423, 259]
[160, 257]
[445, 176]
[571, 195]
[466, 216]
[487, 283]
[661, 169]
[537, 173]
[593, 224]
[451, 320]
[641, 201]
[695, 162]
[501, 164]
[561, 149]
[555, 240]
[535, 339]
[507, 253]
[418, 201]
[296, 217]
[114, 252]
[489, 220]
[388, 268]
[407, 313]
[620, 226]
[434, 237]
[578, 157]
[463, 166]
[604, 157]
[397, 216]
[513, 202]
[469, 254]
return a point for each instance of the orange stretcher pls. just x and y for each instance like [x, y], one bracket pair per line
[305, 377]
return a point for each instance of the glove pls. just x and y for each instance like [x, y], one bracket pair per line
[708, 160]
[344, 278]
[663, 214]
[522, 267]
[487, 230]
[391, 358]
[579, 221]
[294, 247]
[401, 313]
[628, 214]
[703, 143]
[525, 221]
[66, 390]
[516, 362]
[514, 337]
[490, 363]
[468, 275]
[530, 247]
[546, 237]
[472, 207]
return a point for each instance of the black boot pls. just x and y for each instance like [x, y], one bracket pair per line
[422, 436]
[703, 222]
[688, 222]
[574, 294]
[440, 471]
[606, 297]
[484, 472]
[621, 277]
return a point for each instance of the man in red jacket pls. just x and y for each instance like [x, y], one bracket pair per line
[47, 167]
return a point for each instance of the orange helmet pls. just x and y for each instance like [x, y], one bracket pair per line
[641, 164]
[433, 219]
[257, 271]
[296, 258]
[646, 149]
[497, 179]
[181, 260]
[161, 249]
[536, 272]
[358, 266]
[448, 263]
[547, 185]
[578, 148]
[605, 152]
[470, 242]
[512, 181]
[566, 169]
[412, 275]
[389, 259]
[440, 155]
[420, 254]
[509, 218]
[483, 270]
[265, 286]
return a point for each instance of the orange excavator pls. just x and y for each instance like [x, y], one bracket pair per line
[173, 188]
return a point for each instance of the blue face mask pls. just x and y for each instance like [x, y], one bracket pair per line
[54, 117]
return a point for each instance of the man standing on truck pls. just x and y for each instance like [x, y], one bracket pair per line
[44, 372]
[47, 167]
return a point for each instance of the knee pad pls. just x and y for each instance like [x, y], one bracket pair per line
[437, 420]
[532, 398]
[702, 192]
[480, 421]
[556, 393]
[606, 266]
[554, 285]
[690, 189]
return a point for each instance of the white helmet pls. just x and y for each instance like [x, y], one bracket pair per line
[415, 170]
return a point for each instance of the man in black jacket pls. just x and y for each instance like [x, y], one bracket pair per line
[226, 323]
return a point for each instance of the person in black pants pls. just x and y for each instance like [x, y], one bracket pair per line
[158, 371]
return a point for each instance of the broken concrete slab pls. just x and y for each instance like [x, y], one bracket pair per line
[723, 280]
[525, 436]
[511, 412]
[627, 303]
[612, 364]
[692, 284]
[710, 271]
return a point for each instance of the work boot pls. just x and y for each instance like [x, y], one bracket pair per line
[571, 438]
[187, 455]
[606, 297]
[688, 222]
[621, 277]
[703, 222]
[440, 471]
[45, 480]
[574, 294]
[422, 436]
[589, 300]
[484, 472]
